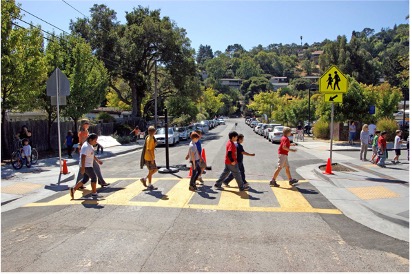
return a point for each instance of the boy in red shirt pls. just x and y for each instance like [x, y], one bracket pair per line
[382, 149]
[283, 162]
[231, 164]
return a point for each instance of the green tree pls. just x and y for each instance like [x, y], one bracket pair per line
[22, 65]
[204, 53]
[211, 102]
[248, 68]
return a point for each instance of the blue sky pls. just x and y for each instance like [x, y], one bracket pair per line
[249, 23]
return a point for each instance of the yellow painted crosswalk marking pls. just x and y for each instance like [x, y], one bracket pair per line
[288, 197]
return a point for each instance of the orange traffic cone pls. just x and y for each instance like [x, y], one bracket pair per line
[65, 169]
[190, 172]
[328, 169]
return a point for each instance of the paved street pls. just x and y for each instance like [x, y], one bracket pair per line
[288, 228]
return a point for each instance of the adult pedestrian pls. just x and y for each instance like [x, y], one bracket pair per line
[24, 133]
[87, 158]
[352, 132]
[382, 149]
[365, 140]
[148, 158]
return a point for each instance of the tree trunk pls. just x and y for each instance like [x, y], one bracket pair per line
[5, 153]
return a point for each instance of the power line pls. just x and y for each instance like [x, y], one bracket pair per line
[37, 27]
[74, 8]
[26, 29]
[44, 21]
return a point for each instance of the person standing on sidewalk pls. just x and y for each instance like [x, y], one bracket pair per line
[231, 164]
[86, 165]
[194, 157]
[375, 145]
[69, 143]
[240, 153]
[382, 149]
[148, 157]
[364, 139]
[397, 146]
[283, 162]
[352, 132]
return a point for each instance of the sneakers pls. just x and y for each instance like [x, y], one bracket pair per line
[104, 184]
[398, 162]
[218, 187]
[201, 182]
[226, 184]
[94, 195]
[273, 183]
[143, 180]
[72, 193]
[293, 181]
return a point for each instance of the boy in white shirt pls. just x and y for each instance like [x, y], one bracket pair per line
[86, 168]
[397, 146]
[26, 151]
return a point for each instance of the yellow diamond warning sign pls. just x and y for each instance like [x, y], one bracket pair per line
[333, 81]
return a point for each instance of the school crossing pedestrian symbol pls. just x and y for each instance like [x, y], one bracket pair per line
[333, 81]
[333, 84]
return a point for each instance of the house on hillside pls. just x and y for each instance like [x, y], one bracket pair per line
[233, 83]
[315, 56]
[279, 82]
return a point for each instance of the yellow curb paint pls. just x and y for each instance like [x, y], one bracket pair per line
[231, 197]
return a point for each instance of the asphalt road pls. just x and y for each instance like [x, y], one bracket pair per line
[172, 229]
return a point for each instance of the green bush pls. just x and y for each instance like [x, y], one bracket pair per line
[122, 139]
[321, 130]
[388, 125]
[105, 117]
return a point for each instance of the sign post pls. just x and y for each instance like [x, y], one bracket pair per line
[333, 84]
[58, 86]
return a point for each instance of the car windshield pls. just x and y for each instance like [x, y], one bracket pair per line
[162, 131]
[278, 128]
[180, 129]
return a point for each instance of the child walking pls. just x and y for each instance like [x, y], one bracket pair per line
[148, 158]
[87, 158]
[69, 143]
[27, 151]
[382, 149]
[397, 146]
[231, 164]
[240, 153]
[375, 146]
[283, 162]
[194, 160]
[364, 138]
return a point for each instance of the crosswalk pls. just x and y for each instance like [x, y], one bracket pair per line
[174, 193]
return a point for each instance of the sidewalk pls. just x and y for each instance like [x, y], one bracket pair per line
[19, 187]
[375, 197]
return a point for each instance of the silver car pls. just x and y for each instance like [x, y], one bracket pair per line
[183, 133]
[276, 134]
[173, 136]
[268, 129]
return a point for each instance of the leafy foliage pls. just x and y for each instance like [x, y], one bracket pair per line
[390, 126]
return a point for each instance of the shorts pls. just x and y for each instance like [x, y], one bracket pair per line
[149, 165]
[375, 150]
[283, 161]
[397, 152]
[89, 173]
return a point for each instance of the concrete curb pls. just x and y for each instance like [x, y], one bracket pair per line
[355, 208]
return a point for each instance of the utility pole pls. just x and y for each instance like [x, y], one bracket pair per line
[155, 96]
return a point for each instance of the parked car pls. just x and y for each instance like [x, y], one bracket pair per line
[254, 123]
[262, 128]
[173, 136]
[206, 122]
[221, 122]
[256, 129]
[183, 133]
[268, 129]
[203, 127]
[276, 134]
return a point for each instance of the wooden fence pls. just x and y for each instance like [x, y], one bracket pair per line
[39, 129]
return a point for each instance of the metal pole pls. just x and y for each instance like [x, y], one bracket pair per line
[167, 139]
[309, 107]
[155, 99]
[404, 110]
[331, 131]
[58, 119]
